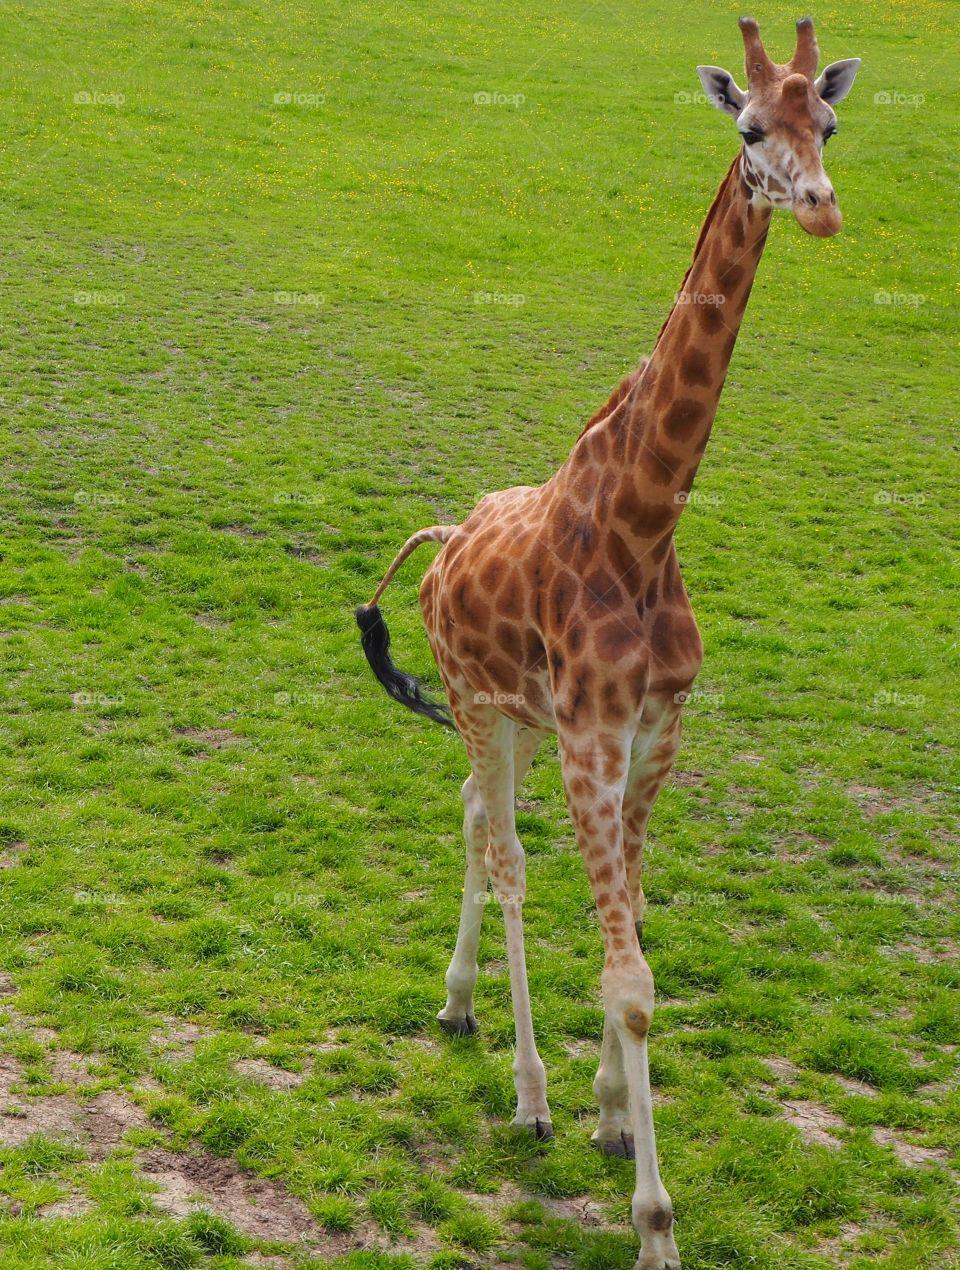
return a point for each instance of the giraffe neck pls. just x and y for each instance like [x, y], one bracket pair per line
[649, 447]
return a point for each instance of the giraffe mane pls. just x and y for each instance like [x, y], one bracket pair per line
[619, 396]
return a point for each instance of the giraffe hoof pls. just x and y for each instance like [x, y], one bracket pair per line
[467, 1026]
[621, 1146]
[542, 1130]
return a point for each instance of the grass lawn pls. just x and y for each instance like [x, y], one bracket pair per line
[279, 289]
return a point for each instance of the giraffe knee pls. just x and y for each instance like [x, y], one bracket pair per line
[628, 999]
[637, 1019]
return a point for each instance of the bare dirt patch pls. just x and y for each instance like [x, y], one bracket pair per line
[420, 1041]
[860, 1088]
[495, 967]
[783, 1069]
[881, 802]
[873, 801]
[687, 778]
[582, 1047]
[579, 1208]
[72, 1204]
[68, 1068]
[909, 1153]
[23, 1113]
[106, 1119]
[799, 848]
[10, 855]
[258, 1208]
[215, 738]
[814, 1122]
[97, 1124]
[241, 531]
[840, 1250]
[308, 555]
[178, 1037]
[330, 1044]
[265, 1073]
[926, 953]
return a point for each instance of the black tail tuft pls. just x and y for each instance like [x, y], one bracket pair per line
[403, 688]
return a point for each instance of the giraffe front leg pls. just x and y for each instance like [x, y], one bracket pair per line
[650, 764]
[595, 775]
[647, 773]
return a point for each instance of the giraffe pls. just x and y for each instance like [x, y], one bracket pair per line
[561, 609]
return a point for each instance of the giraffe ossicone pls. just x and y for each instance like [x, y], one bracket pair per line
[561, 609]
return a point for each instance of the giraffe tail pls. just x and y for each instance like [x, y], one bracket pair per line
[375, 638]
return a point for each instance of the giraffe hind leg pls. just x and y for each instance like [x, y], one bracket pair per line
[457, 1017]
[498, 749]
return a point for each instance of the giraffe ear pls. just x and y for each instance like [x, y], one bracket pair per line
[837, 80]
[721, 90]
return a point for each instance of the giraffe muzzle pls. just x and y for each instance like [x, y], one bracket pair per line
[815, 207]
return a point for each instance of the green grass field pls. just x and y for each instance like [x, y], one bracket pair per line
[279, 289]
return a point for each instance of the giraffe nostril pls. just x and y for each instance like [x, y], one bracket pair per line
[811, 198]
[833, 199]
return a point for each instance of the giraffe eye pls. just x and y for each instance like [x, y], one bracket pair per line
[830, 132]
[751, 137]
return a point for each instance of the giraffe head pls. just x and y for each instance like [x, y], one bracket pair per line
[784, 117]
